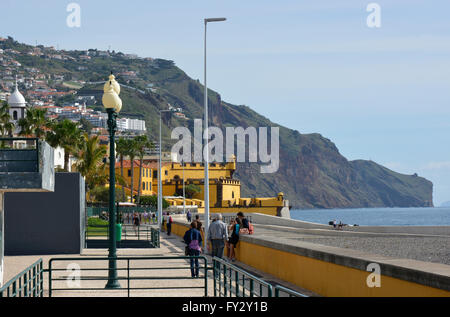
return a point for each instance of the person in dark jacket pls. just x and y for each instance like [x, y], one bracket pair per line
[193, 239]
[244, 220]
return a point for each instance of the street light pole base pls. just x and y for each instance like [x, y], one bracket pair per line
[114, 284]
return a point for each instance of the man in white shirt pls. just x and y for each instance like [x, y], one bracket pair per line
[217, 235]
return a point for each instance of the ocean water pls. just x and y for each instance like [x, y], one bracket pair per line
[438, 216]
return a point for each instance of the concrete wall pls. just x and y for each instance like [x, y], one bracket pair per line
[26, 176]
[279, 221]
[46, 223]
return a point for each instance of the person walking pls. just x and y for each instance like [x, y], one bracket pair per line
[145, 216]
[199, 223]
[169, 224]
[189, 216]
[193, 239]
[136, 222]
[234, 239]
[217, 235]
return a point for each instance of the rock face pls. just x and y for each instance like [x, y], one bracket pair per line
[313, 174]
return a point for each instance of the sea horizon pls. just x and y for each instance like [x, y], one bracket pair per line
[377, 216]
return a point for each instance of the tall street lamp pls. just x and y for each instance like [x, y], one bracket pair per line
[206, 153]
[112, 104]
[160, 192]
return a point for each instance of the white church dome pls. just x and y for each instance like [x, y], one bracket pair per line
[16, 99]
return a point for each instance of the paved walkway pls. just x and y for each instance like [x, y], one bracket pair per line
[175, 271]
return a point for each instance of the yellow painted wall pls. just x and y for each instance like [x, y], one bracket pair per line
[146, 177]
[325, 278]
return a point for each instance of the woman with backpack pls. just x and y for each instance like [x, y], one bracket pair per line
[193, 239]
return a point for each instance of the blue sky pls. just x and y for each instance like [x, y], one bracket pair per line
[314, 66]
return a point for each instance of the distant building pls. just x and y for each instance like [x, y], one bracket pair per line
[17, 107]
[130, 124]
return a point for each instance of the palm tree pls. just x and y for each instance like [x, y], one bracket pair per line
[131, 152]
[90, 162]
[142, 143]
[6, 126]
[122, 150]
[67, 135]
[35, 123]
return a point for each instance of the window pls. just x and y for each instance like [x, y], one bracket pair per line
[15, 115]
[232, 194]
[129, 172]
[166, 172]
[155, 174]
[143, 185]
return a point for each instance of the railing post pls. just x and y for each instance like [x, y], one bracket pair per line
[214, 277]
[50, 278]
[128, 277]
[225, 280]
[205, 261]
[236, 283]
[25, 284]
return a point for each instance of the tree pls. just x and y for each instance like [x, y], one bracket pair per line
[142, 143]
[101, 194]
[153, 201]
[192, 189]
[6, 126]
[90, 161]
[35, 123]
[86, 125]
[122, 151]
[67, 135]
[131, 152]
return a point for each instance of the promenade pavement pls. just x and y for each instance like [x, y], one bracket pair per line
[175, 271]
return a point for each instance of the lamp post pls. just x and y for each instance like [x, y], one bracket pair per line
[206, 153]
[112, 104]
[160, 192]
[184, 192]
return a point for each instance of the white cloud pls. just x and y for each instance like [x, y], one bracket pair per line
[443, 165]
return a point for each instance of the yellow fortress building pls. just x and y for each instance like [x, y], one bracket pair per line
[224, 190]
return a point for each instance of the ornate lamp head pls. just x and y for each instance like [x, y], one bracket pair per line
[111, 99]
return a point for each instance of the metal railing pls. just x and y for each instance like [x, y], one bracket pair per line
[28, 283]
[281, 290]
[126, 213]
[128, 270]
[232, 281]
[142, 234]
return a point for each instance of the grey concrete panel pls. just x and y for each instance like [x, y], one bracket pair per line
[37, 175]
[46, 222]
